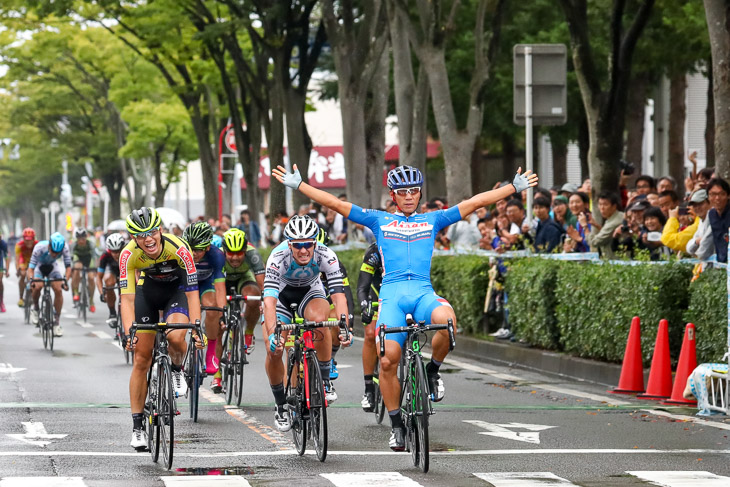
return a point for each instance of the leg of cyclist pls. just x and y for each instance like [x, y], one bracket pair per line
[90, 280]
[252, 315]
[390, 389]
[274, 364]
[335, 332]
[369, 357]
[182, 307]
[438, 311]
[35, 288]
[20, 272]
[110, 281]
[77, 266]
[213, 331]
[138, 386]
[58, 306]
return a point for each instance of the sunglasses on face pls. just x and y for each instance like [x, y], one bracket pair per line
[406, 191]
[302, 245]
[148, 233]
[235, 254]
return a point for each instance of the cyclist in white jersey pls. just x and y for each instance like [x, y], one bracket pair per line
[293, 277]
[405, 241]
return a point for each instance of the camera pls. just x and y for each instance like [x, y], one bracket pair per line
[683, 210]
[627, 167]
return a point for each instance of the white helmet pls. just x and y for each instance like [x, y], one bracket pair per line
[301, 227]
[115, 241]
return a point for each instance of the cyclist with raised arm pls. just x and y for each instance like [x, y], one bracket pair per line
[293, 277]
[368, 290]
[167, 286]
[406, 240]
[244, 270]
[324, 239]
[44, 261]
[209, 262]
[108, 273]
[83, 254]
[23, 251]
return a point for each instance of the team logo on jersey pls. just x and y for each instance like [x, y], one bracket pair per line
[123, 259]
[407, 231]
[332, 260]
[187, 258]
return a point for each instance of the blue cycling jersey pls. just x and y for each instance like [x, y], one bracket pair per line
[210, 267]
[405, 242]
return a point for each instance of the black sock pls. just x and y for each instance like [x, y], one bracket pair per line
[432, 367]
[395, 420]
[335, 349]
[137, 421]
[369, 385]
[175, 367]
[324, 368]
[279, 397]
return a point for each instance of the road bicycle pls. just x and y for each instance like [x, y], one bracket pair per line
[83, 303]
[27, 302]
[115, 323]
[233, 358]
[378, 404]
[415, 398]
[305, 393]
[195, 370]
[45, 317]
[160, 407]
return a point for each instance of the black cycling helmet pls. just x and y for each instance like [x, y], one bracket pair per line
[198, 235]
[143, 220]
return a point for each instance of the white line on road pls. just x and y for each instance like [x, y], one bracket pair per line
[683, 479]
[102, 334]
[69, 315]
[42, 482]
[689, 419]
[523, 479]
[370, 479]
[203, 480]
[83, 324]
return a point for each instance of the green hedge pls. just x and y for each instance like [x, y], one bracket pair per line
[462, 281]
[708, 311]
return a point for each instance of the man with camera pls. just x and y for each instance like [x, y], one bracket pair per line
[673, 235]
[600, 238]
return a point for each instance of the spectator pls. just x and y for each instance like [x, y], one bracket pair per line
[668, 200]
[653, 198]
[277, 228]
[568, 189]
[701, 245]
[626, 237]
[719, 216]
[704, 177]
[487, 231]
[333, 226]
[250, 227]
[586, 187]
[304, 209]
[501, 207]
[562, 214]
[516, 214]
[651, 238]
[463, 235]
[578, 204]
[549, 233]
[600, 238]
[504, 239]
[544, 193]
[645, 184]
[674, 236]
[666, 183]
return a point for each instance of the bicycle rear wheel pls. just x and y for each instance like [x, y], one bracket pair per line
[421, 411]
[84, 302]
[317, 407]
[49, 321]
[195, 378]
[151, 419]
[166, 411]
[28, 302]
[240, 364]
[226, 364]
[379, 405]
[295, 404]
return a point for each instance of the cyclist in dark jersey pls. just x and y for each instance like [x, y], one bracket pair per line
[83, 254]
[108, 272]
[368, 291]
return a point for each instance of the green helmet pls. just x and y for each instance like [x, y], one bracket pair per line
[323, 237]
[198, 235]
[143, 220]
[234, 240]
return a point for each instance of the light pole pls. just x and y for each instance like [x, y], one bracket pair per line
[47, 226]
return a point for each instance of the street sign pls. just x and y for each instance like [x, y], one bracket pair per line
[548, 83]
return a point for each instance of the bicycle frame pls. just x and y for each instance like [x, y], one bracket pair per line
[46, 325]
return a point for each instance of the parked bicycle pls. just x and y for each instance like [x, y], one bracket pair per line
[305, 393]
[233, 358]
[45, 317]
[415, 398]
[160, 408]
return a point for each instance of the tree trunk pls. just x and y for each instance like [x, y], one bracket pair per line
[635, 122]
[355, 151]
[718, 23]
[677, 117]
[113, 184]
[208, 163]
[375, 112]
[275, 140]
[584, 144]
[710, 121]
[560, 160]
[299, 142]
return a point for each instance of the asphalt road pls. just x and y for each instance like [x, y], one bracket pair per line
[66, 421]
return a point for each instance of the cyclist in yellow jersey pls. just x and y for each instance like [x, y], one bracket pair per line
[167, 286]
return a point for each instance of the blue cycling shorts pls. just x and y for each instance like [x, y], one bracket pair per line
[400, 298]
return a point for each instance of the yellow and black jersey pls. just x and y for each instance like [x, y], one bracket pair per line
[174, 265]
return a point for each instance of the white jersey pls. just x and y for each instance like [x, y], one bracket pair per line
[282, 270]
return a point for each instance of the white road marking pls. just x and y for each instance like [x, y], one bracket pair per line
[203, 480]
[42, 482]
[370, 479]
[292, 452]
[689, 419]
[523, 479]
[683, 479]
[505, 430]
[102, 334]
[9, 369]
[210, 396]
[83, 324]
[35, 434]
[69, 315]
[116, 344]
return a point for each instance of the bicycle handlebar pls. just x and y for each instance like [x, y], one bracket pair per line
[310, 325]
[48, 279]
[163, 326]
[417, 327]
[212, 308]
[243, 297]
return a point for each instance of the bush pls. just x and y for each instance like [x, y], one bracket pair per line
[708, 311]
[596, 302]
[462, 281]
[530, 287]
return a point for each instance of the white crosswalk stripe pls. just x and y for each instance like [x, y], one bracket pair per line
[203, 480]
[523, 479]
[683, 479]
[367, 479]
[41, 482]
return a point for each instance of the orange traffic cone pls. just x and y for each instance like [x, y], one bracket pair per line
[632, 370]
[687, 363]
[660, 377]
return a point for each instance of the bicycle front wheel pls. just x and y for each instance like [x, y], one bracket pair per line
[379, 405]
[239, 365]
[49, 321]
[196, 378]
[317, 407]
[295, 403]
[84, 303]
[166, 411]
[421, 410]
[150, 413]
[27, 301]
